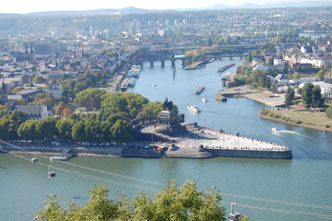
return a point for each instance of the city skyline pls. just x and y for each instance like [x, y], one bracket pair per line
[19, 6]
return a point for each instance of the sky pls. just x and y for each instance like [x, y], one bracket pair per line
[25, 6]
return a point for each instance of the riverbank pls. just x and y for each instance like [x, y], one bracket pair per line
[265, 97]
[300, 121]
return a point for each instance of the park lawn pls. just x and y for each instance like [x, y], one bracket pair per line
[317, 118]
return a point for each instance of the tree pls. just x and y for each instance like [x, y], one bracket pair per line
[39, 80]
[7, 129]
[28, 130]
[328, 112]
[78, 132]
[289, 96]
[296, 75]
[46, 129]
[121, 131]
[65, 128]
[172, 203]
[320, 75]
[307, 95]
[89, 98]
[60, 107]
[317, 100]
[274, 85]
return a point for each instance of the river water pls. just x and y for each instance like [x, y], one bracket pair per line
[265, 189]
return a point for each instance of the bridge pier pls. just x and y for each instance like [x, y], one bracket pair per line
[162, 64]
[173, 63]
[151, 64]
[230, 58]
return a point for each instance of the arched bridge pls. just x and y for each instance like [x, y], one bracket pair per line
[162, 57]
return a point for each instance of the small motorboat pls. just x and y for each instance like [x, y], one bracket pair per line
[34, 160]
[153, 84]
[51, 173]
[274, 130]
[204, 100]
[193, 109]
[58, 158]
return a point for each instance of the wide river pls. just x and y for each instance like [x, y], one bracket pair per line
[265, 189]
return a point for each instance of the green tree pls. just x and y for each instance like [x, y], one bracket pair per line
[307, 95]
[46, 129]
[78, 132]
[64, 128]
[317, 100]
[7, 129]
[121, 131]
[28, 130]
[172, 203]
[328, 112]
[39, 80]
[274, 85]
[289, 96]
[296, 75]
[89, 98]
[320, 75]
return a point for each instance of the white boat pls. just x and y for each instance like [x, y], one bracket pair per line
[58, 158]
[132, 82]
[153, 84]
[274, 130]
[192, 108]
[136, 73]
[204, 100]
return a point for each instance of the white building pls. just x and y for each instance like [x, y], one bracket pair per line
[326, 89]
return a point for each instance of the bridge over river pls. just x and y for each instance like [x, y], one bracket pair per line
[177, 53]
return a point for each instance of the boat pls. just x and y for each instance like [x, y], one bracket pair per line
[132, 82]
[58, 158]
[274, 130]
[199, 90]
[153, 84]
[51, 173]
[222, 69]
[136, 73]
[204, 100]
[192, 108]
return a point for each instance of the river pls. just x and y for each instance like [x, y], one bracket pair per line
[265, 189]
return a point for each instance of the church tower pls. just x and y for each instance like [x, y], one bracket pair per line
[3, 93]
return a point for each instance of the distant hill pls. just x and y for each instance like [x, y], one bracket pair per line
[123, 11]
[304, 4]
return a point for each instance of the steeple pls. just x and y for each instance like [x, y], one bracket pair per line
[26, 48]
[31, 49]
[3, 93]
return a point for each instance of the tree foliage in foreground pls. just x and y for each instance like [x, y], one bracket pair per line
[172, 203]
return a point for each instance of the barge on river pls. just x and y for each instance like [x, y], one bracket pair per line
[199, 90]
[222, 69]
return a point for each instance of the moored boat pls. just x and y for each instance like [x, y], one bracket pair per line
[199, 90]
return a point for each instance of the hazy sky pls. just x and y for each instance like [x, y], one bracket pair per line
[23, 6]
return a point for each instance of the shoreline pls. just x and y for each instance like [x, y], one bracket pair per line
[293, 124]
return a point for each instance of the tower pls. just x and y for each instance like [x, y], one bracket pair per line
[3, 93]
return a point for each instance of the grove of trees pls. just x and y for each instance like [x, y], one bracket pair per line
[171, 203]
[311, 96]
[110, 123]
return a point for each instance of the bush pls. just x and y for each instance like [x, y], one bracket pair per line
[298, 122]
[328, 112]
[327, 126]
